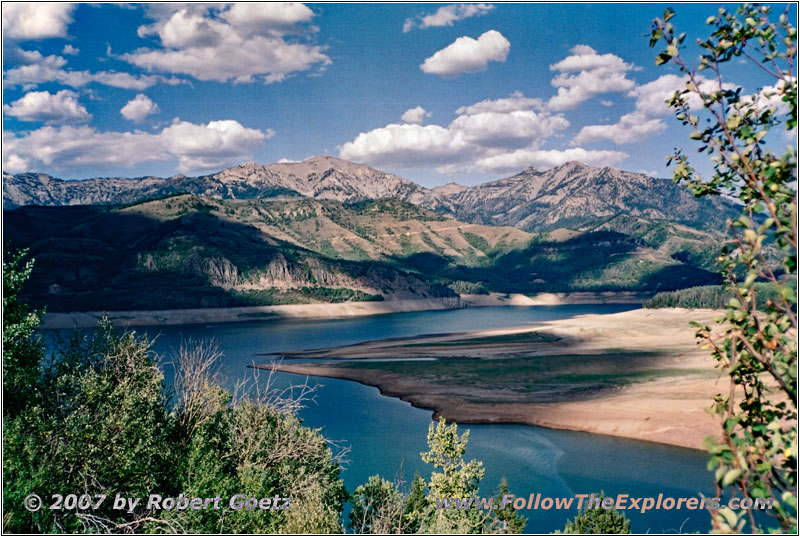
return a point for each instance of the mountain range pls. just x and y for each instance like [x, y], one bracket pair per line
[532, 200]
[327, 230]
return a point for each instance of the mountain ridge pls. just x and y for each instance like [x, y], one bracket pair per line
[569, 195]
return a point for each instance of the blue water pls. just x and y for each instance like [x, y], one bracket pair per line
[386, 435]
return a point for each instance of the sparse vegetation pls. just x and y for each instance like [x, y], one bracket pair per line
[755, 454]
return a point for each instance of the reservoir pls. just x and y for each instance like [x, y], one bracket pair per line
[386, 435]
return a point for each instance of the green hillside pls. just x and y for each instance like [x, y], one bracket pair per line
[188, 251]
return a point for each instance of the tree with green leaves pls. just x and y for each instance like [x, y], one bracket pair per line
[98, 419]
[755, 455]
[594, 519]
[378, 507]
[22, 350]
[506, 519]
[457, 478]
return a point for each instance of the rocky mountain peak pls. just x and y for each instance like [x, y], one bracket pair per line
[450, 188]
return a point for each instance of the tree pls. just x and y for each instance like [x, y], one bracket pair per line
[98, 426]
[417, 507]
[598, 520]
[507, 519]
[22, 350]
[97, 419]
[756, 454]
[457, 479]
[378, 507]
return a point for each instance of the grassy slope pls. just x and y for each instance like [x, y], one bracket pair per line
[190, 251]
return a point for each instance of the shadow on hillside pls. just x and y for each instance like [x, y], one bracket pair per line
[99, 258]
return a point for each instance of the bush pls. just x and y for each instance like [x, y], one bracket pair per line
[97, 420]
[594, 519]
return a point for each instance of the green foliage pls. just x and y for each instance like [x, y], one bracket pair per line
[477, 242]
[377, 508]
[98, 426]
[22, 350]
[507, 519]
[593, 520]
[417, 507]
[457, 478]
[97, 421]
[250, 448]
[713, 296]
[756, 453]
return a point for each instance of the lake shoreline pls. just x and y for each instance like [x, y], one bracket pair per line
[90, 319]
[668, 410]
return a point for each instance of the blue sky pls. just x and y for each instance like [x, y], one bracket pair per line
[432, 92]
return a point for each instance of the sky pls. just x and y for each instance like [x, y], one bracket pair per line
[432, 92]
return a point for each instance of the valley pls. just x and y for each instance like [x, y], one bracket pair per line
[330, 231]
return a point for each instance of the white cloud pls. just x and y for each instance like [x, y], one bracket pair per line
[510, 129]
[651, 106]
[40, 69]
[277, 18]
[446, 16]
[632, 127]
[517, 101]
[523, 158]
[36, 20]
[75, 147]
[586, 73]
[211, 145]
[196, 147]
[138, 108]
[242, 42]
[480, 130]
[70, 50]
[49, 108]
[406, 146]
[467, 55]
[768, 97]
[415, 115]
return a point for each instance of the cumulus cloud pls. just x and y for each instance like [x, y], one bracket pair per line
[36, 20]
[138, 108]
[70, 50]
[539, 158]
[480, 130]
[467, 55]
[446, 16]
[200, 147]
[406, 146]
[37, 69]
[240, 42]
[651, 107]
[586, 73]
[630, 128]
[516, 101]
[510, 129]
[196, 147]
[415, 115]
[49, 108]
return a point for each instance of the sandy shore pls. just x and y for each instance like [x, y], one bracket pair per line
[554, 299]
[668, 410]
[90, 319]
[254, 313]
